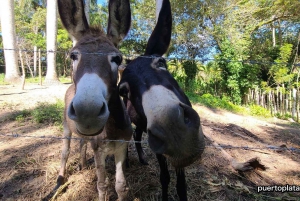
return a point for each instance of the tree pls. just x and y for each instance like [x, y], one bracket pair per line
[51, 29]
[12, 73]
[38, 27]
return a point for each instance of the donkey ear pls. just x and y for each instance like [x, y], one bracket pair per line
[160, 38]
[73, 17]
[119, 20]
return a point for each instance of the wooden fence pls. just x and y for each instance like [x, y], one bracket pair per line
[279, 100]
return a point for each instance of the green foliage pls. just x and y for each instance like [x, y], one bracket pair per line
[21, 116]
[175, 68]
[237, 34]
[256, 110]
[224, 103]
[280, 71]
[190, 68]
[2, 79]
[283, 116]
[63, 45]
[98, 15]
[215, 102]
[48, 113]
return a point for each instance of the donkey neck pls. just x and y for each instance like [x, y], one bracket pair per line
[117, 110]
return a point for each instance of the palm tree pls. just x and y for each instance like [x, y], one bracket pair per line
[51, 33]
[12, 73]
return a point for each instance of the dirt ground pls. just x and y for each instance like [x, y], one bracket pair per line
[29, 166]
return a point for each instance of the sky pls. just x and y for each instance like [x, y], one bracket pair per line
[101, 1]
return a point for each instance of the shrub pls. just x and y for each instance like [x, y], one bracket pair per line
[256, 110]
[48, 113]
[20, 116]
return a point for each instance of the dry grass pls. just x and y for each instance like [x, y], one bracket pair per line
[29, 167]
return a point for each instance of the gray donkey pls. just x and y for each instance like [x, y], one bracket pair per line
[93, 107]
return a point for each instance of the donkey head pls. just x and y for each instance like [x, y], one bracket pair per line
[173, 126]
[95, 62]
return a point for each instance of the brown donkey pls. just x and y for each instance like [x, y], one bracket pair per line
[93, 108]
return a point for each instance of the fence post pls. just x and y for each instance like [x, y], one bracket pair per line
[23, 70]
[257, 95]
[40, 67]
[297, 104]
[277, 100]
[294, 103]
[270, 103]
[290, 101]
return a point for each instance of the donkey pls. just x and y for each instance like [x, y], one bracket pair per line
[93, 108]
[158, 106]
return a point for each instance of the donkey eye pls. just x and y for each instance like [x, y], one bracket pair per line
[74, 56]
[117, 60]
[161, 64]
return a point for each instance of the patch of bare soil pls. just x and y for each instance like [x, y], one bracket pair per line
[29, 166]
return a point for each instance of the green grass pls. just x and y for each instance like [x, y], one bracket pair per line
[218, 103]
[2, 82]
[37, 79]
[215, 102]
[22, 115]
[63, 80]
[48, 113]
[256, 110]
[42, 113]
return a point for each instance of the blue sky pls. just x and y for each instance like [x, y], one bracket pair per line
[101, 1]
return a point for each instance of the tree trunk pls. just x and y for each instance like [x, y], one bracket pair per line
[273, 32]
[51, 75]
[34, 60]
[12, 73]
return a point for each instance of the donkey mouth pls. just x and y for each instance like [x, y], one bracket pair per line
[183, 162]
[88, 135]
[156, 143]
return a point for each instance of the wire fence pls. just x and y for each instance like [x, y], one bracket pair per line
[268, 147]
[252, 62]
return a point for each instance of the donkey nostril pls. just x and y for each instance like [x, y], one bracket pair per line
[71, 111]
[189, 115]
[102, 110]
[185, 113]
[156, 142]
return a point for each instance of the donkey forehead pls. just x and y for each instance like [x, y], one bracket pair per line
[142, 76]
[93, 44]
[146, 71]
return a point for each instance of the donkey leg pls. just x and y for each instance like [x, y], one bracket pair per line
[138, 137]
[181, 184]
[83, 147]
[164, 175]
[120, 156]
[64, 156]
[102, 183]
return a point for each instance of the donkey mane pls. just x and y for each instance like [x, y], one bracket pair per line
[96, 30]
[94, 34]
